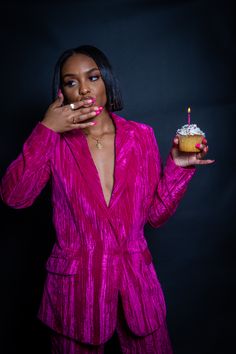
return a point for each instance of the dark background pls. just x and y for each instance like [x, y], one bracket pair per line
[167, 55]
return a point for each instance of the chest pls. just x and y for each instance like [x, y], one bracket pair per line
[90, 176]
[104, 160]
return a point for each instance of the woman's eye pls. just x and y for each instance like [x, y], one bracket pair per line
[70, 83]
[94, 78]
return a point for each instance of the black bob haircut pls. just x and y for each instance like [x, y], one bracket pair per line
[114, 97]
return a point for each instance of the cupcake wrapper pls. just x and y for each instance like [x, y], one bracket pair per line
[187, 142]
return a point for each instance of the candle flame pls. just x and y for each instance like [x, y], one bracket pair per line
[189, 110]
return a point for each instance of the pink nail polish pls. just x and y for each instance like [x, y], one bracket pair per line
[100, 107]
[59, 93]
[93, 123]
[98, 112]
[198, 146]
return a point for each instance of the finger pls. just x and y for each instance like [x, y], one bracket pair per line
[88, 110]
[204, 162]
[175, 141]
[204, 141]
[77, 105]
[77, 116]
[83, 125]
[58, 101]
[89, 115]
[80, 118]
[200, 146]
[199, 155]
[59, 93]
[204, 151]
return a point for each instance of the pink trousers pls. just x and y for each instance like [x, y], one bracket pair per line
[157, 342]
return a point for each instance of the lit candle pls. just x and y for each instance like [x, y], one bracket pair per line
[189, 113]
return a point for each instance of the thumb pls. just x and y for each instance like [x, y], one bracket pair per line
[175, 142]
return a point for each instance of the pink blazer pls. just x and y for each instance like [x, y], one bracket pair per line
[100, 250]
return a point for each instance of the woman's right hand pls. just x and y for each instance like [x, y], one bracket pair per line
[63, 118]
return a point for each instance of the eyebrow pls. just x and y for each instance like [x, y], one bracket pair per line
[87, 72]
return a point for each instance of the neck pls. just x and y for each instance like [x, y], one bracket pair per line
[104, 125]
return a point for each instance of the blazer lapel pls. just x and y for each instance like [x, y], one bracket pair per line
[123, 151]
[77, 143]
[123, 146]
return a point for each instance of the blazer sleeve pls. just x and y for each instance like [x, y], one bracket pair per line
[167, 185]
[27, 175]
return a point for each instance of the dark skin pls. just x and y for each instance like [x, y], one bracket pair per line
[81, 79]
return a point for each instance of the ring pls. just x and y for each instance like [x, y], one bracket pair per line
[72, 106]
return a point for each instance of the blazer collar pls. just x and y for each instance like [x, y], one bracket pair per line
[124, 141]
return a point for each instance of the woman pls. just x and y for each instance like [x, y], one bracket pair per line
[107, 183]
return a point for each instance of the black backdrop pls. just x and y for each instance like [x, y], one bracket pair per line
[167, 55]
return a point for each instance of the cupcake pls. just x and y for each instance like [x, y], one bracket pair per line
[189, 135]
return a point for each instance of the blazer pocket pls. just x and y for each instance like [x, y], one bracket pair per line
[63, 265]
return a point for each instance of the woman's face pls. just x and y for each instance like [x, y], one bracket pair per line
[82, 79]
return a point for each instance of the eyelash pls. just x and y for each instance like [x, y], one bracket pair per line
[69, 83]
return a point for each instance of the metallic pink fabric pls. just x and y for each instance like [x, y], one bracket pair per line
[157, 342]
[100, 250]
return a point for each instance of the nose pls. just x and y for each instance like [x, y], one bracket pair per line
[83, 90]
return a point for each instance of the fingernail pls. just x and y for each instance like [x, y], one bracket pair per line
[93, 99]
[89, 101]
[98, 112]
[101, 108]
[93, 123]
[204, 141]
[198, 146]
[59, 93]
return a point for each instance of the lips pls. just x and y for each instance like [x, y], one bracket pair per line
[88, 98]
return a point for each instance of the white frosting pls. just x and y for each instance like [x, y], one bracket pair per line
[190, 129]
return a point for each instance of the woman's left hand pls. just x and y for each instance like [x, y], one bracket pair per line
[185, 159]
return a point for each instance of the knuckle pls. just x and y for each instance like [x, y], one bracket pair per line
[79, 105]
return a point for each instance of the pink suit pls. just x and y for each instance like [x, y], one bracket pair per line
[100, 250]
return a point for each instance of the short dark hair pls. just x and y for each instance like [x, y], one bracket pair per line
[114, 97]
